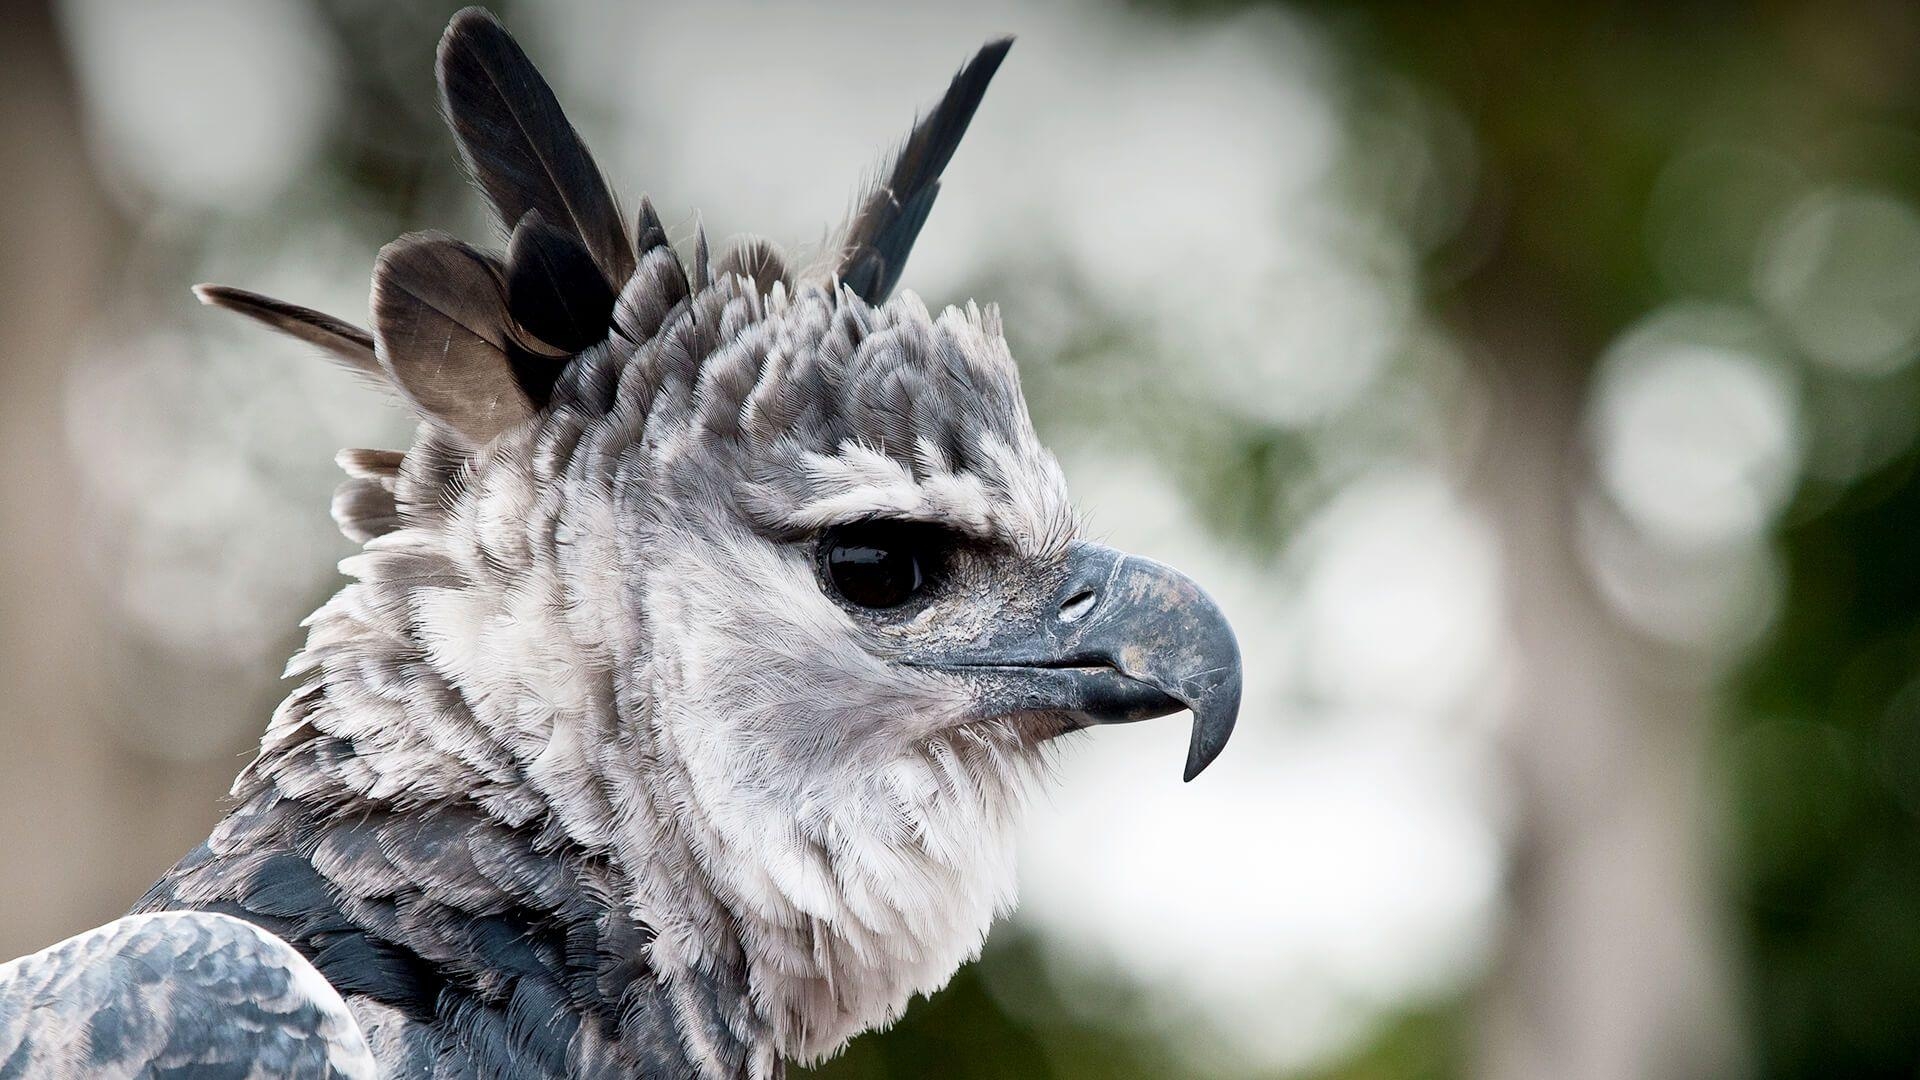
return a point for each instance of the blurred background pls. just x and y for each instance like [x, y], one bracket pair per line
[1534, 385]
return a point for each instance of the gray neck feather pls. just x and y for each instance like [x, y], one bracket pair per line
[497, 654]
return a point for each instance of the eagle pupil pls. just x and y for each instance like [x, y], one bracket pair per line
[878, 564]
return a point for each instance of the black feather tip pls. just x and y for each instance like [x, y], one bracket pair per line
[519, 145]
[885, 226]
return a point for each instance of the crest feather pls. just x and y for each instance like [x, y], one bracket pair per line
[345, 343]
[554, 291]
[883, 229]
[443, 331]
[519, 145]
[650, 233]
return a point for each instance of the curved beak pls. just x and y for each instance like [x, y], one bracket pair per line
[1123, 639]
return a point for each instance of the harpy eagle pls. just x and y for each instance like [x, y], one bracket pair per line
[701, 647]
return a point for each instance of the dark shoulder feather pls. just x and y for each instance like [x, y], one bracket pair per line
[883, 228]
[344, 342]
[519, 145]
[144, 994]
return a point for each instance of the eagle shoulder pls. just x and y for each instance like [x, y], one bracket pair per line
[172, 994]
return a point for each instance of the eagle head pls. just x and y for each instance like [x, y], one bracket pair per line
[756, 582]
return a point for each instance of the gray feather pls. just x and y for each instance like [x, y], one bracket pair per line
[649, 233]
[172, 994]
[365, 509]
[379, 465]
[757, 260]
[346, 343]
[702, 276]
[443, 330]
[883, 229]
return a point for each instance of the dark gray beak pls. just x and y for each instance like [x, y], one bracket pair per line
[1122, 639]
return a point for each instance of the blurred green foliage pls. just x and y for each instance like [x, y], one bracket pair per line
[971, 1037]
[1578, 109]
[1823, 770]
[1578, 112]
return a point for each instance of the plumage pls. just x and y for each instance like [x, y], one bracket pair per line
[519, 145]
[174, 994]
[593, 768]
[554, 291]
[342, 341]
[649, 233]
[443, 331]
[873, 253]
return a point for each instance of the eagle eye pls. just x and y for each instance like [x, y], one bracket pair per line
[883, 564]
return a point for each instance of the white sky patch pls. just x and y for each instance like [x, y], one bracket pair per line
[1698, 438]
[1401, 597]
[206, 103]
[1720, 599]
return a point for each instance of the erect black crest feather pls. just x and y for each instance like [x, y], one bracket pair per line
[649, 233]
[554, 291]
[883, 228]
[518, 143]
[343, 341]
[477, 343]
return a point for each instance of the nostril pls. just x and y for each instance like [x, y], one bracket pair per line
[1077, 605]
